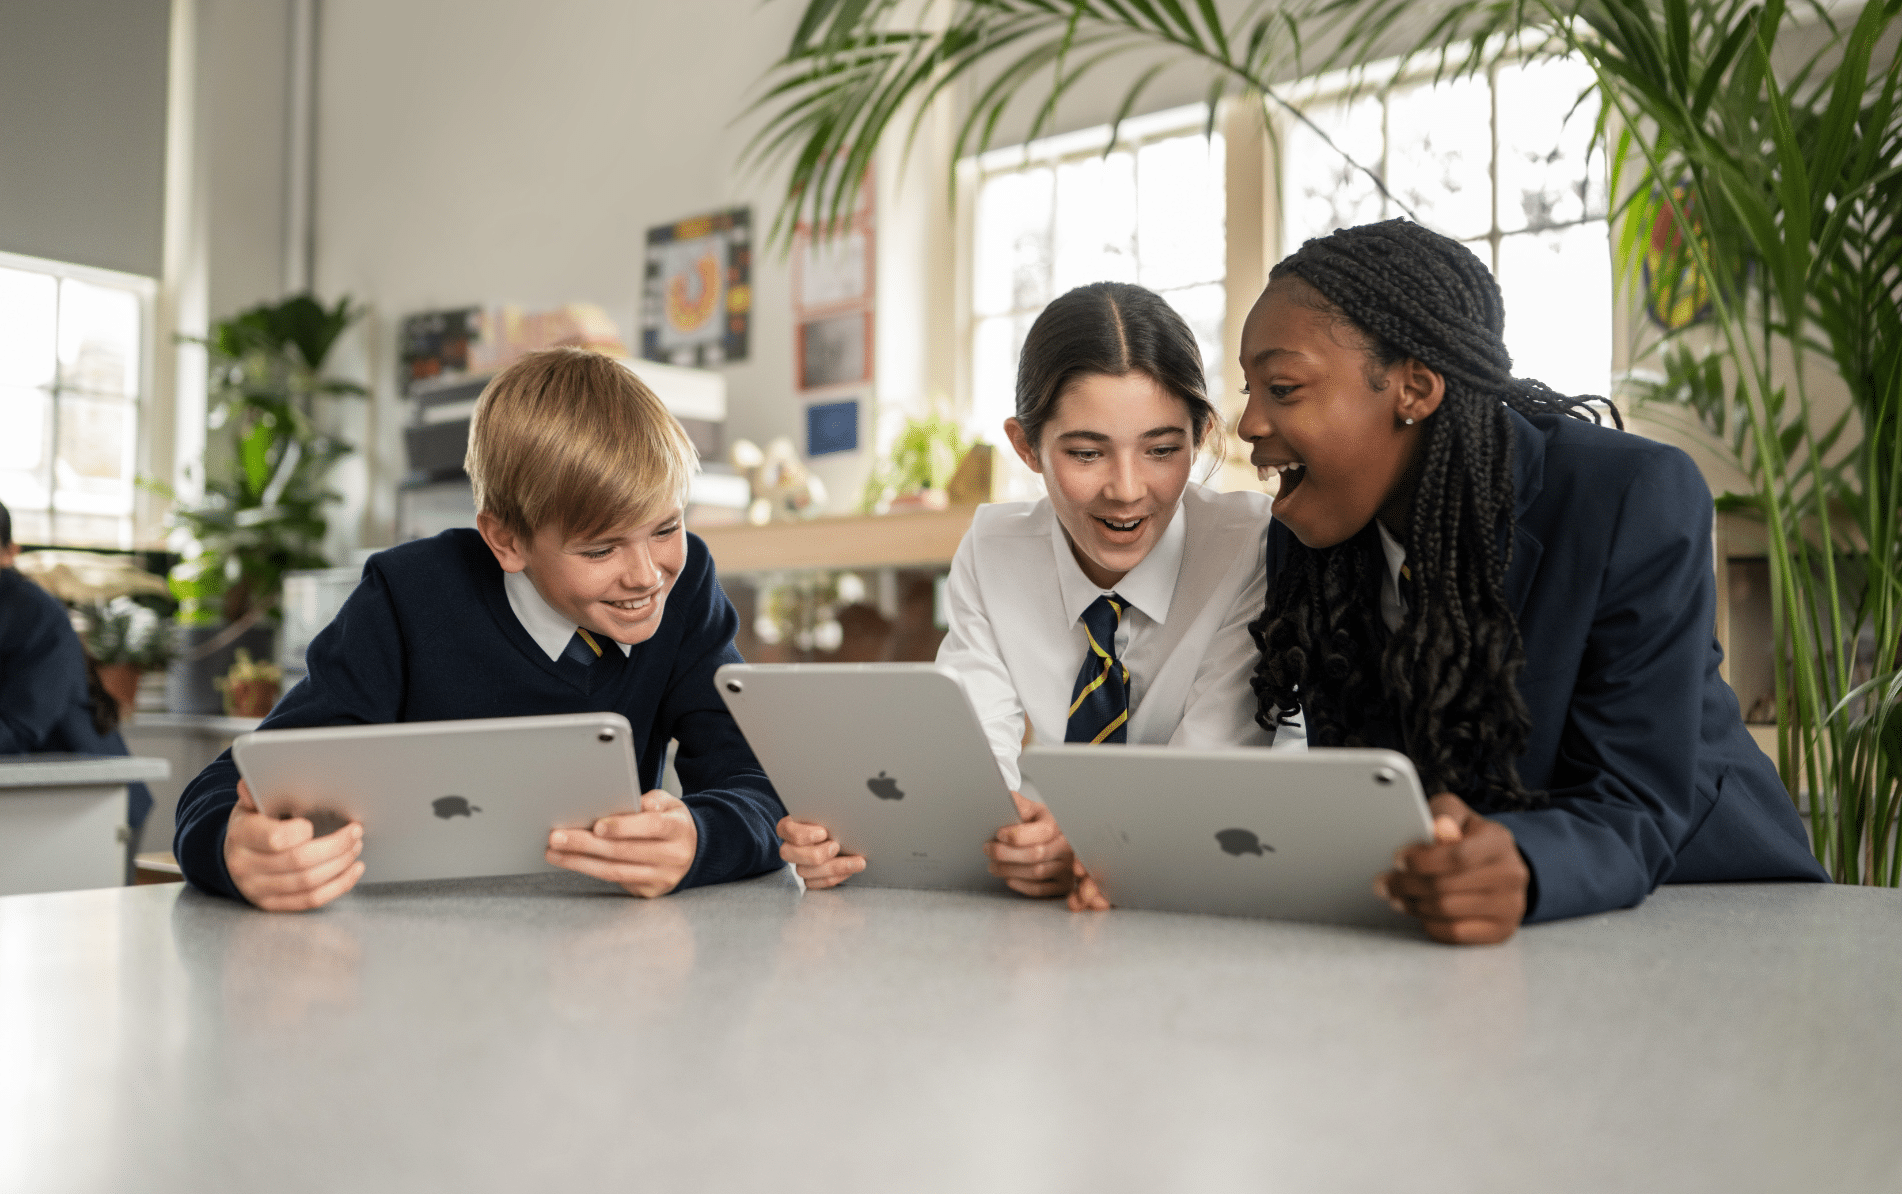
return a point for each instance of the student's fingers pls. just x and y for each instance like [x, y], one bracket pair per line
[1029, 833]
[646, 878]
[662, 815]
[1042, 889]
[1051, 870]
[801, 833]
[245, 800]
[1485, 846]
[817, 855]
[1042, 849]
[306, 855]
[1027, 809]
[1471, 930]
[1453, 809]
[267, 884]
[833, 873]
[316, 897]
[1086, 896]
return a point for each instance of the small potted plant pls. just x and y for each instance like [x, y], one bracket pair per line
[250, 688]
[126, 639]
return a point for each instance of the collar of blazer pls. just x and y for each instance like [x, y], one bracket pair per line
[1528, 480]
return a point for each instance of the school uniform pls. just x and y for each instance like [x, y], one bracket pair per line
[1016, 601]
[45, 706]
[1636, 737]
[437, 631]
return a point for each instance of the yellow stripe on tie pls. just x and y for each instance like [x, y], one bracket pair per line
[1111, 727]
[589, 639]
[1092, 687]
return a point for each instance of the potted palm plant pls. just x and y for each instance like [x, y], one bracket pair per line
[266, 487]
[1765, 139]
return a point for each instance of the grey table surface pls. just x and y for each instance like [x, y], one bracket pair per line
[548, 1033]
[57, 770]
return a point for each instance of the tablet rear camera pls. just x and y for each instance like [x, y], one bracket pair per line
[604, 734]
[733, 686]
[1385, 776]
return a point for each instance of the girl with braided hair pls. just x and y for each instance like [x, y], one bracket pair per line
[1466, 567]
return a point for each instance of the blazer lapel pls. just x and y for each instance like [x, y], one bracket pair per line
[1528, 479]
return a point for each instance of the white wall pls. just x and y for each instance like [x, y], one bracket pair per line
[495, 152]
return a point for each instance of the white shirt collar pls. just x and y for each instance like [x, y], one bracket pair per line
[1392, 609]
[1148, 586]
[548, 628]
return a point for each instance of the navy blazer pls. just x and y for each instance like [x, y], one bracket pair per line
[1653, 777]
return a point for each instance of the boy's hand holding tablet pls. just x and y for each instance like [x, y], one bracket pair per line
[1032, 856]
[648, 853]
[282, 865]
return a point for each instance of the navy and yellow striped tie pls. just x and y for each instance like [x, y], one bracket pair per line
[1099, 705]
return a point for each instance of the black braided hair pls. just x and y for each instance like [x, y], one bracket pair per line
[1447, 679]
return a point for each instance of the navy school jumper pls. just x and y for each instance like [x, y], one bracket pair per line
[44, 702]
[428, 635]
[1652, 776]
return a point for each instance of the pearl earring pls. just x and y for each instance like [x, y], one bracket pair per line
[1409, 421]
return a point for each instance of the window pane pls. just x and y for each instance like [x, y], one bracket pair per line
[1545, 175]
[28, 307]
[994, 374]
[1181, 209]
[1321, 191]
[93, 464]
[1439, 155]
[98, 339]
[1096, 221]
[25, 479]
[1201, 307]
[1557, 287]
[1012, 270]
[88, 530]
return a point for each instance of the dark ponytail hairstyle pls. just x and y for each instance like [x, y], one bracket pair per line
[1448, 677]
[1109, 328]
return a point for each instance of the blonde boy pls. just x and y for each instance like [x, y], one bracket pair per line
[579, 591]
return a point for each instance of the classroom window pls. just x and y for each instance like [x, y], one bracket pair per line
[1059, 213]
[73, 368]
[1499, 161]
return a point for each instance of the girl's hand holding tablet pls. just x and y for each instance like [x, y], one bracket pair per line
[1468, 886]
[1032, 857]
[814, 853]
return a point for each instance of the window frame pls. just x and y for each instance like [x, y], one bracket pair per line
[145, 291]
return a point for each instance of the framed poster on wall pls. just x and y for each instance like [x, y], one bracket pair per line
[697, 302]
[832, 300]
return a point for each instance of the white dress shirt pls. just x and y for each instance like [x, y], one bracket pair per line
[1392, 608]
[1014, 605]
[550, 630]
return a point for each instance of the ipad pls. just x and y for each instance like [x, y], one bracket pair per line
[888, 756]
[1243, 832]
[448, 799]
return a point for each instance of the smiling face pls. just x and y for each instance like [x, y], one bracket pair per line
[1334, 436]
[1115, 457]
[614, 585]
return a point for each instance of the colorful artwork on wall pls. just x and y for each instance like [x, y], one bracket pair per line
[697, 304]
[832, 300]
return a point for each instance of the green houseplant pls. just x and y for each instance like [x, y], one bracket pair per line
[1768, 137]
[266, 481]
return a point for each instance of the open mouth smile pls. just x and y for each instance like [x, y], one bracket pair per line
[1280, 480]
[1121, 526]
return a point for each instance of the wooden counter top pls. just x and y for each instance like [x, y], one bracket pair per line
[920, 539]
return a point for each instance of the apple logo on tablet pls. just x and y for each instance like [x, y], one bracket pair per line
[1242, 841]
[884, 787]
[453, 806]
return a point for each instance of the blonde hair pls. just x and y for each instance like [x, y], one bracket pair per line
[573, 439]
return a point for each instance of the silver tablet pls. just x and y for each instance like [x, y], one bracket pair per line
[447, 799]
[888, 756]
[1244, 832]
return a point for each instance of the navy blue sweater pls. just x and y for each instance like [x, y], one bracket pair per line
[44, 705]
[428, 635]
